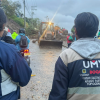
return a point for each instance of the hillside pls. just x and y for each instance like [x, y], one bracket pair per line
[12, 25]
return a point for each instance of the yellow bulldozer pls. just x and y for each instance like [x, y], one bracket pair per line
[48, 35]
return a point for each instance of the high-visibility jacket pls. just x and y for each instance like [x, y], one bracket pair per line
[14, 35]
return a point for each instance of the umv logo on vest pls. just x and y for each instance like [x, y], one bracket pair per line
[91, 64]
[92, 72]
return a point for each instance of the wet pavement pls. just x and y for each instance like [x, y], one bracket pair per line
[42, 64]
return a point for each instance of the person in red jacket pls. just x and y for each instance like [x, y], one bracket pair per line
[68, 42]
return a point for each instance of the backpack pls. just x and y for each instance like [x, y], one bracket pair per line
[23, 42]
[70, 38]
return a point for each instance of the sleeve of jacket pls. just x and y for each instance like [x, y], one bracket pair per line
[60, 82]
[17, 40]
[28, 40]
[17, 67]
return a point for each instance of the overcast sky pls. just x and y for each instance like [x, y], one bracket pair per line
[65, 10]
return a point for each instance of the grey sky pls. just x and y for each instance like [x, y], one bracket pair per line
[68, 10]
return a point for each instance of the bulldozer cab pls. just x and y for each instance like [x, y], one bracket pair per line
[48, 26]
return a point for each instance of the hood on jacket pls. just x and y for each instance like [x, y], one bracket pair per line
[87, 47]
[8, 34]
[22, 34]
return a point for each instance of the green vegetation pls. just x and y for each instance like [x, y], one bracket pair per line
[73, 30]
[13, 11]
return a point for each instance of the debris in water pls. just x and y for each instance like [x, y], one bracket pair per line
[34, 40]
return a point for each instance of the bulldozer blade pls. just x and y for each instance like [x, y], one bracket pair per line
[51, 43]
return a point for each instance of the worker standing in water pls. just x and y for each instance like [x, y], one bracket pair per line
[14, 34]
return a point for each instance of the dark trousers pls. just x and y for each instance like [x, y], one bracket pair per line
[69, 44]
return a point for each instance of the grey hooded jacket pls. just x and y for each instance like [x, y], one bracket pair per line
[87, 48]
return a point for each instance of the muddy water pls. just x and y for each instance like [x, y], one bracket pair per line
[42, 64]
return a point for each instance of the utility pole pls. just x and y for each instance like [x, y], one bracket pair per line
[0, 3]
[24, 16]
[32, 9]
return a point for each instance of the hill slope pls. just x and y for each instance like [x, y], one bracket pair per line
[12, 25]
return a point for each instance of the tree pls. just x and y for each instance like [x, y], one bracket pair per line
[11, 8]
[17, 6]
[73, 30]
[12, 11]
[34, 23]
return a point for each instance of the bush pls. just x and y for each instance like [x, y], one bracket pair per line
[20, 21]
[30, 31]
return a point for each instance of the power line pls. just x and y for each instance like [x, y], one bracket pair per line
[32, 9]
[0, 3]
[27, 4]
[28, 9]
[32, 2]
[35, 2]
[24, 15]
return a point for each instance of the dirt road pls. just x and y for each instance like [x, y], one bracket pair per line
[42, 64]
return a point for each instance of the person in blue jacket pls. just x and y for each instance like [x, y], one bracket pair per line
[17, 40]
[14, 70]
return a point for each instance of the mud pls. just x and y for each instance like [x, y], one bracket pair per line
[42, 64]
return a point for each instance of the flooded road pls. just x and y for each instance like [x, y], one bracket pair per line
[42, 65]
